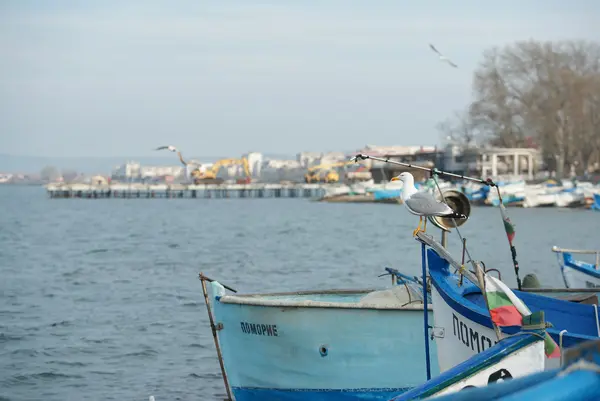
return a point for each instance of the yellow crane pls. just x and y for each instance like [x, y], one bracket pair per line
[211, 173]
[195, 173]
[314, 173]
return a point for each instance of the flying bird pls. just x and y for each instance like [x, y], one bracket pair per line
[168, 147]
[422, 204]
[442, 57]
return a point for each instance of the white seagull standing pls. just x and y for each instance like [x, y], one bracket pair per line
[422, 204]
[442, 57]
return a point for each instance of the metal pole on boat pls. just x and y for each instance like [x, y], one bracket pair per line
[203, 280]
[444, 238]
[425, 311]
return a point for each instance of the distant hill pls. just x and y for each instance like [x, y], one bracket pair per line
[94, 165]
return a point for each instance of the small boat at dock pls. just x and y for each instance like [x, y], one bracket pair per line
[576, 273]
[578, 379]
[460, 312]
[512, 357]
[322, 345]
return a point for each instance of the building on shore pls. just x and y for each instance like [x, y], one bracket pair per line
[515, 163]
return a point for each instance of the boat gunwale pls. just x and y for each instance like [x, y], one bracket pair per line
[256, 299]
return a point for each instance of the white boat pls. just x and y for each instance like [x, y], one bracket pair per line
[460, 313]
[576, 273]
[510, 358]
[322, 345]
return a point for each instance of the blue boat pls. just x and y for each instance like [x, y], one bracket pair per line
[460, 313]
[578, 379]
[512, 357]
[576, 273]
[323, 345]
[596, 204]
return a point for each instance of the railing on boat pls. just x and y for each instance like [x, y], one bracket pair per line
[580, 252]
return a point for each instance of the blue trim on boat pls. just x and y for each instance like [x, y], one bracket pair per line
[497, 391]
[578, 319]
[477, 362]
[583, 267]
[264, 394]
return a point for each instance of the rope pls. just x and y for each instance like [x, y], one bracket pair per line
[520, 333]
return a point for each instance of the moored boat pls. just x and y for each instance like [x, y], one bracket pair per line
[512, 357]
[578, 379]
[576, 273]
[460, 312]
[325, 345]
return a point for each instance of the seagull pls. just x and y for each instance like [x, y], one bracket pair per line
[422, 204]
[151, 398]
[168, 147]
[442, 57]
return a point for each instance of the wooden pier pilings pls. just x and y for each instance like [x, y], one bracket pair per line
[127, 191]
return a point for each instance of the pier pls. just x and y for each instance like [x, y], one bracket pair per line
[134, 190]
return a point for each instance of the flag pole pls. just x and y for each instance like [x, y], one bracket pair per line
[510, 234]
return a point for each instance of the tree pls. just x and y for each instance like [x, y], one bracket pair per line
[69, 175]
[543, 91]
[459, 129]
[49, 173]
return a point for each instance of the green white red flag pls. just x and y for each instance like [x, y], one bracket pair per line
[506, 309]
[508, 226]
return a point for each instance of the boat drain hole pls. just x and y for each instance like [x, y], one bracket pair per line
[323, 350]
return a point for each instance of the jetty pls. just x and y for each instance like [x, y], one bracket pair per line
[137, 190]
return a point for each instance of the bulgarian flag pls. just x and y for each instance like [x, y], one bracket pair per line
[508, 226]
[506, 309]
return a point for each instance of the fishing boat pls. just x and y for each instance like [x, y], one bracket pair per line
[325, 345]
[510, 358]
[578, 379]
[576, 273]
[596, 203]
[461, 314]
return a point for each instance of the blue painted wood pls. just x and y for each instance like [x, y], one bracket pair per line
[578, 319]
[321, 353]
[425, 314]
[476, 363]
[263, 394]
[583, 267]
[577, 380]
[596, 204]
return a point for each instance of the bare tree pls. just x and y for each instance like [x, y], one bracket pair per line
[458, 129]
[549, 91]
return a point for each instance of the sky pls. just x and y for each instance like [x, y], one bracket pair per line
[119, 78]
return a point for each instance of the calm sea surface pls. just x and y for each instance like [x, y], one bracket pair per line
[100, 299]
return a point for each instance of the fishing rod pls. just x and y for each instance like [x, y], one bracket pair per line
[488, 182]
[433, 171]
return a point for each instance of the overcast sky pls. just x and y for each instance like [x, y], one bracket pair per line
[118, 78]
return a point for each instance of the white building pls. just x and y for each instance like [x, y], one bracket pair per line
[492, 162]
[255, 161]
[127, 171]
[160, 171]
[307, 159]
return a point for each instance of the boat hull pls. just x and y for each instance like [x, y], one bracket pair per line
[512, 357]
[467, 327]
[578, 274]
[302, 352]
